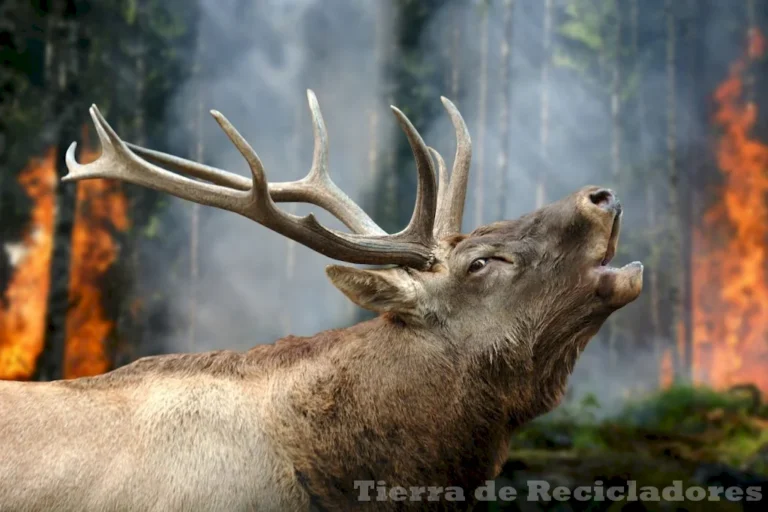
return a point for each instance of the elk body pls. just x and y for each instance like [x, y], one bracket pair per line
[476, 334]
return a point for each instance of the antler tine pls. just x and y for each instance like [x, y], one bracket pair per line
[423, 218]
[200, 171]
[319, 169]
[442, 181]
[450, 209]
[118, 162]
[316, 187]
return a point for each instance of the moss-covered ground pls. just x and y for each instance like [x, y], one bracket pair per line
[697, 436]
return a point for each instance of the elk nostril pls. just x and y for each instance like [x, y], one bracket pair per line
[603, 198]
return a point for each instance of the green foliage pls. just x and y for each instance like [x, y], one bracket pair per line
[586, 39]
[578, 31]
[693, 424]
[681, 408]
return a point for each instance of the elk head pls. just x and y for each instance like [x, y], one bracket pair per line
[540, 283]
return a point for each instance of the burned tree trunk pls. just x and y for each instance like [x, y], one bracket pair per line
[673, 239]
[505, 83]
[129, 321]
[64, 61]
[694, 163]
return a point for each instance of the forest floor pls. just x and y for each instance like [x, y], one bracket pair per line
[695, 436]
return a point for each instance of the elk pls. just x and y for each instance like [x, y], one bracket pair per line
[476, 334]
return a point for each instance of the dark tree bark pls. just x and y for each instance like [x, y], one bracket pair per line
[130, 323]
[695, 161]
[673, 238]
[64, 61]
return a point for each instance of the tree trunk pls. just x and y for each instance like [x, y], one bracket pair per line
[686, 193]
[379, 43]
[541, 193]
[674, 252]
[198, 152]
[129, 322]
[505, 83]
[481, 115]
[455, 57]
[650, 192]
[63, 61]
[616, 127]
[390, 58]
[752, 31]
[290, 246]
[615, 152]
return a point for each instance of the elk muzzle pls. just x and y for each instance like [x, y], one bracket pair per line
[617, 287]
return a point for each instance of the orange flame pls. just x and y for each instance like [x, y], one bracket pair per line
[730, 292]
[101, 210]
[24, 304]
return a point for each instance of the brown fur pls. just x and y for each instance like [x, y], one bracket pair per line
[426, 394]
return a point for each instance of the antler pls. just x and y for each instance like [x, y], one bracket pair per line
[453, 192]
[256, 198]
[316, 187]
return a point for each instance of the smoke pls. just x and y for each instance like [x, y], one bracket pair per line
[256, 64]
[578, 135]
[256, 60]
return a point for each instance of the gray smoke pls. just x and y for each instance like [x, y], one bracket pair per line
[257, 64]
[578, 150]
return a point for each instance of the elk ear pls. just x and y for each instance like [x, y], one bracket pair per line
[390, 290]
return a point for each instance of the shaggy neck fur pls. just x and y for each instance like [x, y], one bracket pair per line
[389, 402]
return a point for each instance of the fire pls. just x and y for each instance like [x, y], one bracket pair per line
[23, 306]
[101, 211]
[730, 291]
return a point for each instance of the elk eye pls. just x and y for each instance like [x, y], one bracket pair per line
[477, 265]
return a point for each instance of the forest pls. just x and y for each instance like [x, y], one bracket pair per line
[664, 101]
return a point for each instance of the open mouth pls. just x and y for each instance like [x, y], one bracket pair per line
[616, 287]
[613, 241]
